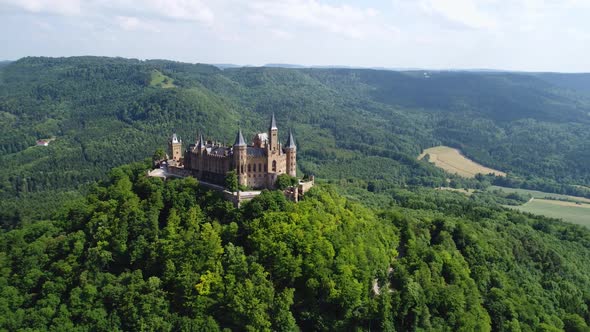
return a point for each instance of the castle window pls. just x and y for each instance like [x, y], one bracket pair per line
[274, 165]
[260, 167]
[254, 167]
[249, 170]
[242, 169]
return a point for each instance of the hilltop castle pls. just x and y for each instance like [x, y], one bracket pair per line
[257, 165]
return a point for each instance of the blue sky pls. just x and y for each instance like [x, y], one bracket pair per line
[528, 35]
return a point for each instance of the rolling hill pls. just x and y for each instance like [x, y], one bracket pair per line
[106, 112]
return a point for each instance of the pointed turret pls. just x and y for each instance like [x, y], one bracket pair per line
[273, 122]
[240, 152]
[239, 139]
[291, 158]
[290, 141]
[273, 135]
[201, 141]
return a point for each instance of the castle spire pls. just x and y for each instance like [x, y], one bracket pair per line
[239, 139]
[273, 122]
[291, 141]
[200, 140]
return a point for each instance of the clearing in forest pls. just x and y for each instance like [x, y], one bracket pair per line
[453, 161]
[568, 208]
[161, 80]
[577, 213]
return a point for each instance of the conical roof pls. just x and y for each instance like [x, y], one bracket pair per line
[239, 139]
[291, 141]
[273, 122]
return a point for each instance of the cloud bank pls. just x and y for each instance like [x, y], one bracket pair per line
[518, 34]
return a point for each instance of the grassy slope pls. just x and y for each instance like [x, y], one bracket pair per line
[453, 161]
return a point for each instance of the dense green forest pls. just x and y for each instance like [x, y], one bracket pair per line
[89, 244]
[140, 253]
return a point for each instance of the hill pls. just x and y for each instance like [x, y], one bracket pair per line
[106, 112]
[138, 253]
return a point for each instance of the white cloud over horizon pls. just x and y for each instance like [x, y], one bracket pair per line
[517, 35]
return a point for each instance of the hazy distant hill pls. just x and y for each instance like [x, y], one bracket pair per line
[578, 82]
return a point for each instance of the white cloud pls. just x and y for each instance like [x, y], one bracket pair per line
[184, 10]
[60, 7]
[345, 20]
[464, 13]
[280, 34]
[131, 23]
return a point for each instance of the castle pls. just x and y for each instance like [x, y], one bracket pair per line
[257, 165]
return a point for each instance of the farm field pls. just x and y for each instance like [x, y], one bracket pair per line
[567, 211]
[541, 194]
[453, 161]
[576, 210]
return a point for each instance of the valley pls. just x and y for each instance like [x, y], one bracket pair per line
[566, 207]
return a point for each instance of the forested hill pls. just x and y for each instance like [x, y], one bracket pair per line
[105, 112]
[143, 254]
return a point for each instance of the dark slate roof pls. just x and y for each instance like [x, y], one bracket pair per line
[239, 139]
[273, 122]
[218, 150]
[255, 152]
[290, 141]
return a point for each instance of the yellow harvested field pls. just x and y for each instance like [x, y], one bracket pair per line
[453, 161]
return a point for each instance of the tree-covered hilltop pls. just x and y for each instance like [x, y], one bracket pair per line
[105, 112]
[139, 253]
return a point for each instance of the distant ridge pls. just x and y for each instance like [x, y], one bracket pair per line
[226, 65]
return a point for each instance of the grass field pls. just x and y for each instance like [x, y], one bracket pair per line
[161, 80]
[575, 210]
[577, 214]
[541, 194]
[453, 161]
[467, 192]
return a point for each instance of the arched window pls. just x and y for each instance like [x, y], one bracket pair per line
[254, 167]
[274, 165]
[260, 167]
[249, 169]
[242, 169]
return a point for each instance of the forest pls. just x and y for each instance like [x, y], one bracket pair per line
[143, 254]
[88, 242]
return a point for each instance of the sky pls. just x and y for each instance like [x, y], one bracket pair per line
[524, 35]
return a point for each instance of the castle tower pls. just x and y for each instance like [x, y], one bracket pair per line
[200, 147]
[273, 136]
[291, 152]
[200, 143]
[240, 158]
[175, 147]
